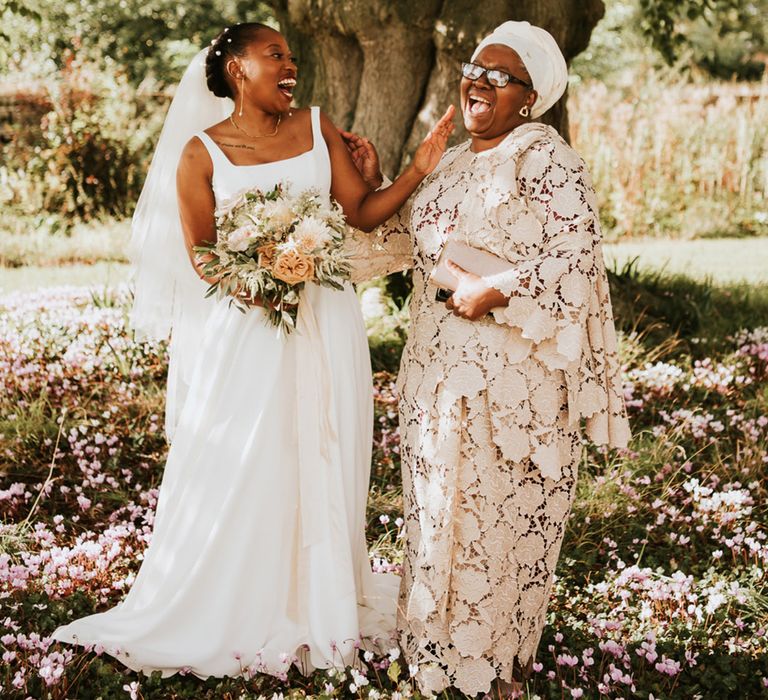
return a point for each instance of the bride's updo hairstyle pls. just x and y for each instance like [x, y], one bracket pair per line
[233, 41]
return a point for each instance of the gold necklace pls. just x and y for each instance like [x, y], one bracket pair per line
[257, 136]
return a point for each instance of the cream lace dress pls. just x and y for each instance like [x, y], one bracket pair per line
[490, 410]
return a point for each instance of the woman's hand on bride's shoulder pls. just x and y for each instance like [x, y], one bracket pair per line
[365, 158]
[431, 149]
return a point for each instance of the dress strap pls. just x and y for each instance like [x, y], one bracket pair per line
[317, 134]
[217, 155]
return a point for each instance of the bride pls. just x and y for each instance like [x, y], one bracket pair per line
[258, 557]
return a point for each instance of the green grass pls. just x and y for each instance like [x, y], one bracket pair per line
[723, 260]
[678, 315]
[28, 278]
[95, 254]
[27, 241]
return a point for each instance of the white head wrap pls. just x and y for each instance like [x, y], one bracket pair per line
[540, 54]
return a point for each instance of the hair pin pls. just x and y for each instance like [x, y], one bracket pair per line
[218, 53]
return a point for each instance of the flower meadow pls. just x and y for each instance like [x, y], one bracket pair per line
[661, 591]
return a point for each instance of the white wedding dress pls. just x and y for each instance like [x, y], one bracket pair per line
[258, 553]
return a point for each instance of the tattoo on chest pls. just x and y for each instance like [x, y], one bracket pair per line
[235, 145]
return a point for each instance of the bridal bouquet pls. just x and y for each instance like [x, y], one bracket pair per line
[270, 244]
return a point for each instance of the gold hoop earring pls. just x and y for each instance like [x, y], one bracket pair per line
[240, 113]
[525, 110]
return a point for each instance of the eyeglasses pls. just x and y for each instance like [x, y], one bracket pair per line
[497, 78]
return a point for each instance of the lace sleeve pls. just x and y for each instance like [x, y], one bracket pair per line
[550, 292]
[385, 250]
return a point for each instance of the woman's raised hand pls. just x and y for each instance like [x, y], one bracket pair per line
[425, 160]
[364, 208]
[431, 149]
[365, 158]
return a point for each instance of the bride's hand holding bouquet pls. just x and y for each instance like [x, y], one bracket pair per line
[269, 245]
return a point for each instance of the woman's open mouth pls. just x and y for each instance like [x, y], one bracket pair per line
[286, 86]
[477, 105]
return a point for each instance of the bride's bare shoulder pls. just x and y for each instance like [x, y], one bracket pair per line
[195, 157]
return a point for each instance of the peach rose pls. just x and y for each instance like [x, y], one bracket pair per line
[266, 255]
[293, 267]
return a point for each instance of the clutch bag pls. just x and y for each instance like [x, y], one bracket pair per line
[479, 262]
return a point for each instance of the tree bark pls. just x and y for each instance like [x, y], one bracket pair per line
[388, 69]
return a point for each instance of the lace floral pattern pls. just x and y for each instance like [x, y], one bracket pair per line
[490, 410]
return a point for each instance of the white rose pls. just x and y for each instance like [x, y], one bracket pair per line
[277, 213]
[230, 205]
[240, 238]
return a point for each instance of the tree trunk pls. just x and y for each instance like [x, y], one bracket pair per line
[387, 69]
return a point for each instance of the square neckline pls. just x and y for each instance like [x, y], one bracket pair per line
[227, 160]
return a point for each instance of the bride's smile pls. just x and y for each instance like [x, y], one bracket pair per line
[266, 72]
[286, 86]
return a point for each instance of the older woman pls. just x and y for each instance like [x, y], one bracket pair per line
[495, 382]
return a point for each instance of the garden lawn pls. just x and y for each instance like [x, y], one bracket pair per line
[25, 241]
[661, 591]
[724, 260]
[31, 277]
[85, 258]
